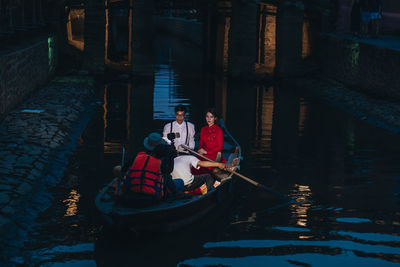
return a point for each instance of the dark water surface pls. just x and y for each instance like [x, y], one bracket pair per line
[344, 174]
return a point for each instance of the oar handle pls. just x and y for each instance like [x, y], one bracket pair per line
[194, 152]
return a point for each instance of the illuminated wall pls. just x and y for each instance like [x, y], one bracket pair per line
[267, 36]
[75, 28]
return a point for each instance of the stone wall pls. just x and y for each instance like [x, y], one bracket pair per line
[21, 72]
[361, 66]
[190, 30]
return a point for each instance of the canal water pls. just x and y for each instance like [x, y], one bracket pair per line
[343, 175]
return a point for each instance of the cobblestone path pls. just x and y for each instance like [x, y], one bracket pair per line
[35, 141]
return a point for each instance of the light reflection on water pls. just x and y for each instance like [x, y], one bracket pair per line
[72, 203]
[301, 194]
[261, 144]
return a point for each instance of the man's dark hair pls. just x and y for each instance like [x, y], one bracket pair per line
[180, 108]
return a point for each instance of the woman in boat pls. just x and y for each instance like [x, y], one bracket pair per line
[211, 137]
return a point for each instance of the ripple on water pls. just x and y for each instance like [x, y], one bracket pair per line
[73, 263]
[353, 220]
[291, 229]
[347, 256]
[70, 249]
[370, 236]
[304, 259]
[52, 253]
[342, 244]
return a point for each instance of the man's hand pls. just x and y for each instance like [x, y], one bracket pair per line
[229, 167]
[222, 166]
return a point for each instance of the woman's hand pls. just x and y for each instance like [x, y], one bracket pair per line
[202, 151]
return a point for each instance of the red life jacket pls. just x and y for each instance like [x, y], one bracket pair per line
[145, 177]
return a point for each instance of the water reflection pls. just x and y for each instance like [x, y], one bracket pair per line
[301, 194]
[262, 145]
[306, 46]
[116, 105]
[303, 115]
[71, 203]
[167, 93]
[285, 141]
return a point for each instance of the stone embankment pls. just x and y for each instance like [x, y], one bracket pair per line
[377, 111]
[35, 141]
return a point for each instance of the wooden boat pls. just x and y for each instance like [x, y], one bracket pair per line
[170, 214]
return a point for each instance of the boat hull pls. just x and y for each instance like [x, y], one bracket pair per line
[171, 218]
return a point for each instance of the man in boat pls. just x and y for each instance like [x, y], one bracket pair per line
[180, 131]
[146, 181]
[182, 170]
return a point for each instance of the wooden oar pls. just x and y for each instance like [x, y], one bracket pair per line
[247, 179]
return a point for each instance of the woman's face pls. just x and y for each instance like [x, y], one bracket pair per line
[210, 119]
